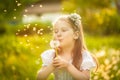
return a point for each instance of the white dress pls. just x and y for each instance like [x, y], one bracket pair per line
[87, 64]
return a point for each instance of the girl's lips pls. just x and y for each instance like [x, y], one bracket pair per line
[60, 40]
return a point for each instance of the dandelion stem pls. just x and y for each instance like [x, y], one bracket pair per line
[56, 52]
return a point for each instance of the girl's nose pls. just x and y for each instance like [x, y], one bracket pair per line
[59, 34]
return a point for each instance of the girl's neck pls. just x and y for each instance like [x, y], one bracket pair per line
[67, 50]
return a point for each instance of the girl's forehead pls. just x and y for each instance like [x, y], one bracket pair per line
[61, 24]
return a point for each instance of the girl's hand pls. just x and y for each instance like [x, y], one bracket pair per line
[58, 62]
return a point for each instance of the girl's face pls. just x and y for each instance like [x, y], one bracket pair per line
[64, 33]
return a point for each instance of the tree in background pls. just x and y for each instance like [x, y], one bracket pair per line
[11, 11]
[101, 17]
[117, 2]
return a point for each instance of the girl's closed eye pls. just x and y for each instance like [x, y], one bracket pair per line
[64, 30]
[55, 31]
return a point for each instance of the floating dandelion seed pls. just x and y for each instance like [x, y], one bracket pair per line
[16, 1]
[41, 29]
[38, 32]
[62, 8]
[21, 42]
[18, 30]
[28, 26]
[25, 35]
[40, 6]
[37, 47]
[14, 17]
[24, 29]
[16, 33]
[26, 10]
[19, 4]
[55, 44]
[34, 28]
[32, 5]
[48, 26]
[25, 15]
[5, 10]
[41, 33]
[14, 9]
[36, 24]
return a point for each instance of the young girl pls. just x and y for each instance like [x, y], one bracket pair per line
[73, 61]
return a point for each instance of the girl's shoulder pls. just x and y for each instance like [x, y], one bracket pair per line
[88, 61]
[86, 54]
[47, 57]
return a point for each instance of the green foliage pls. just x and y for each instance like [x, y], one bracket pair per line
[101, 42]
[20, 56]
[98, 17]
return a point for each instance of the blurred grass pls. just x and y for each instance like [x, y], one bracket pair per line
[20, 55]
[100, 42]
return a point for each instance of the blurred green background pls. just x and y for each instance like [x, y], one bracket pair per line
[25, 32]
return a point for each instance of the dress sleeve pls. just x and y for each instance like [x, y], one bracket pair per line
[47, 57]
[88, 61]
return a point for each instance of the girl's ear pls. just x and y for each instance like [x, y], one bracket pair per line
[76, 35]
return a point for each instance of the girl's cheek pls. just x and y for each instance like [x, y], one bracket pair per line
[55, 38]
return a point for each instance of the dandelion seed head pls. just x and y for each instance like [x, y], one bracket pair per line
[54, 43]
